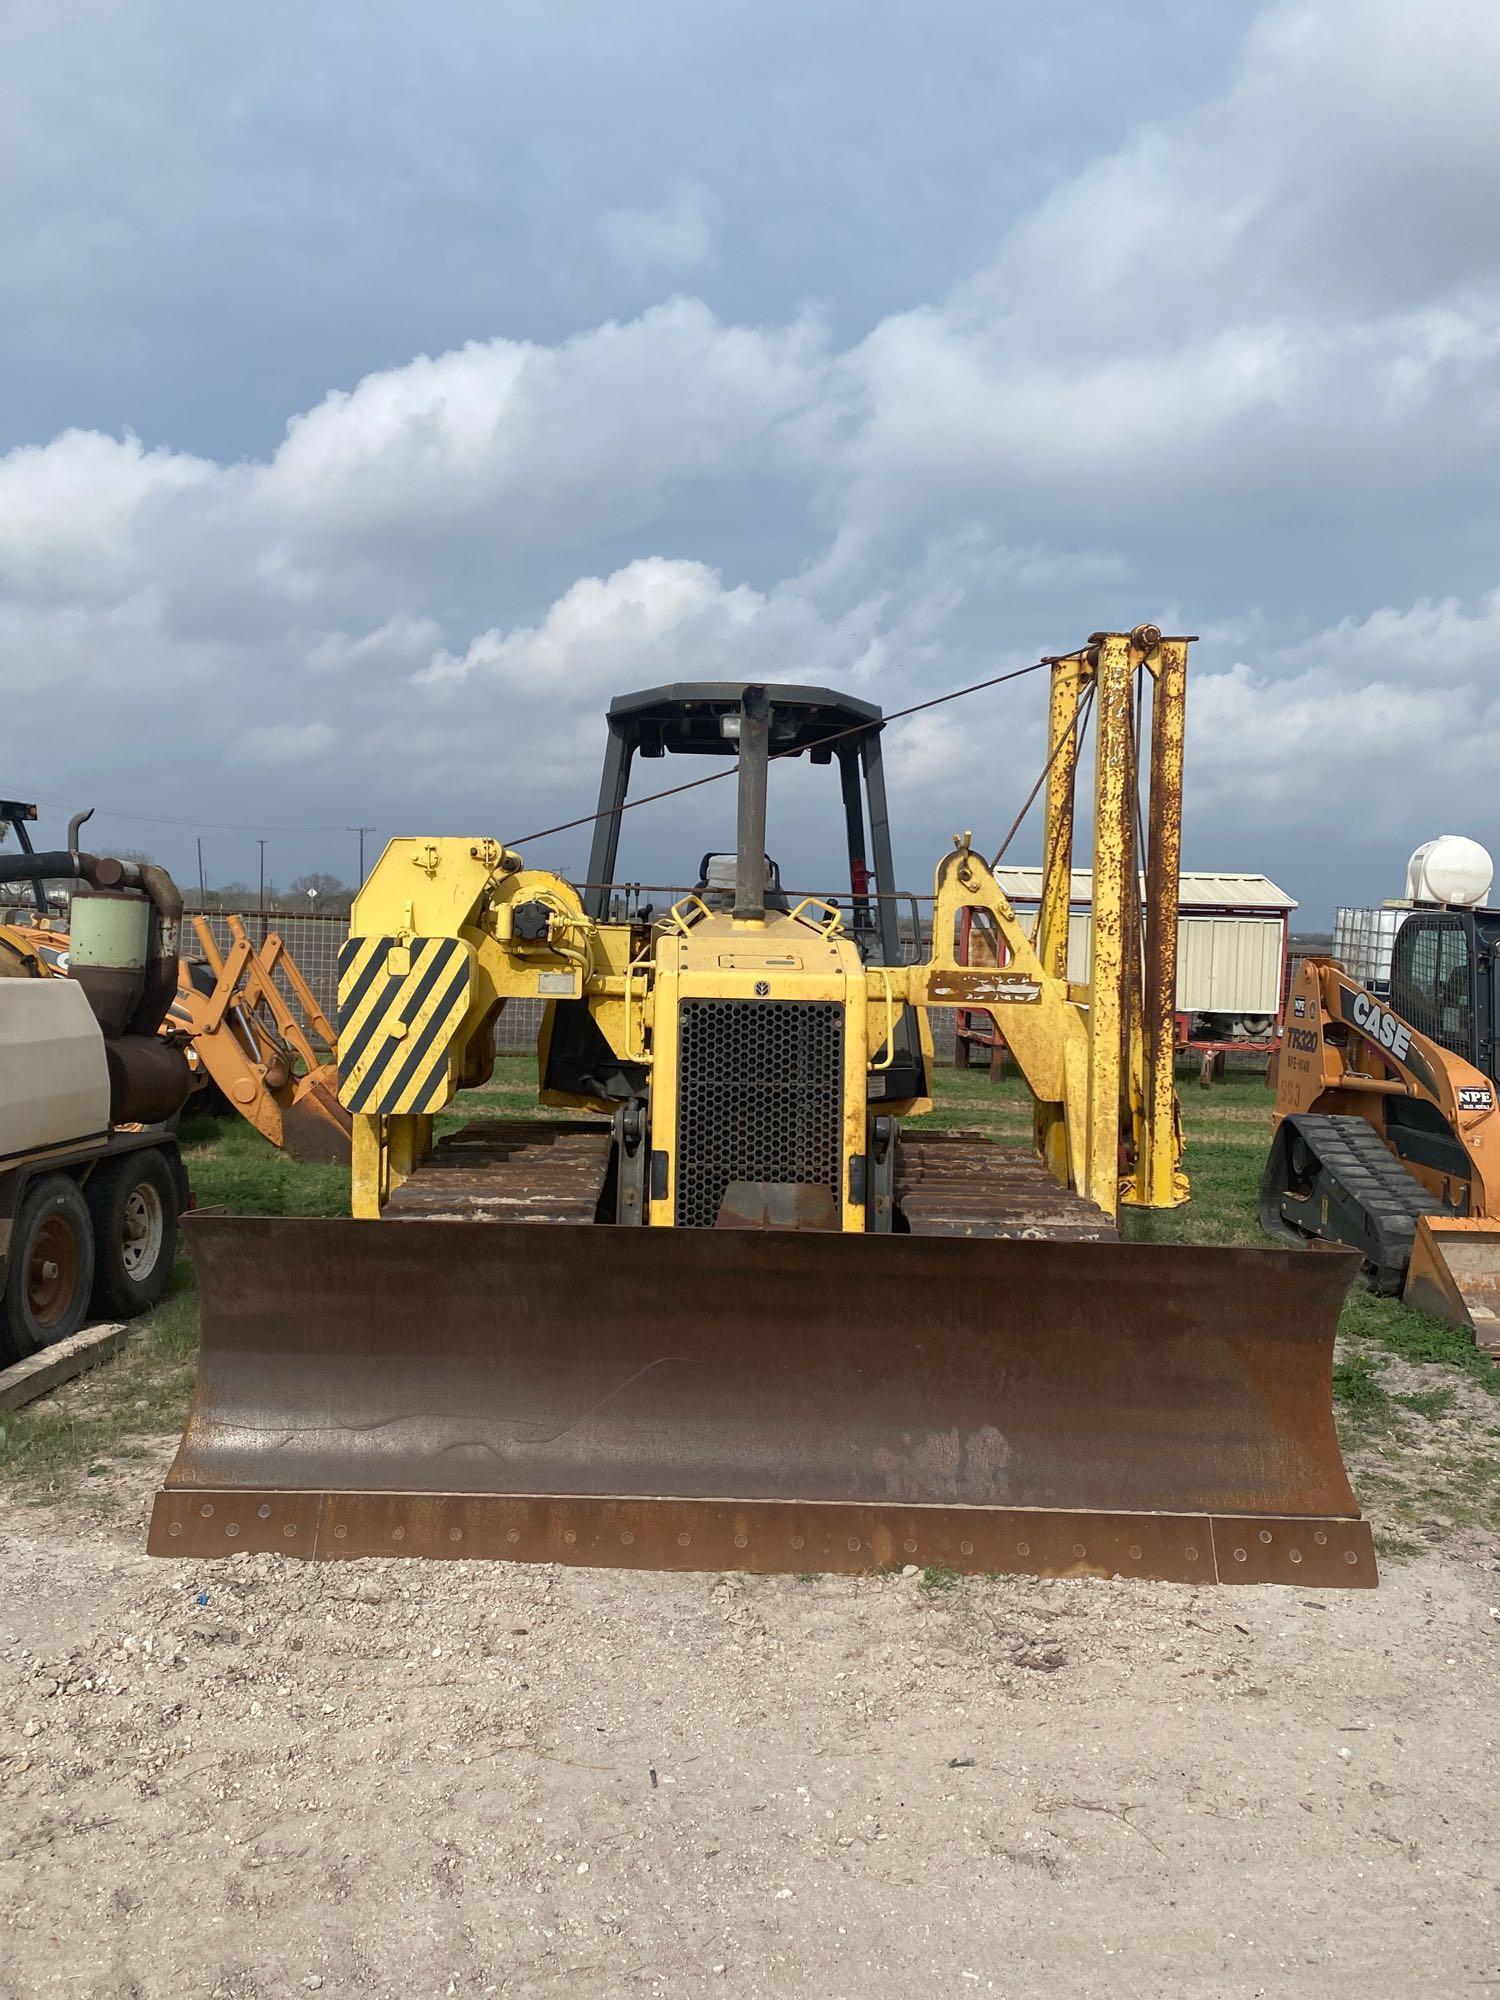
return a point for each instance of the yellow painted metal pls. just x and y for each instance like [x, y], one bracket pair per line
[1071, 681]
[1113, 661]
[402, 1002]
[1105, 1117]
[1159, 1181]
[1063, 729]
[724, 958]
[369, 1181]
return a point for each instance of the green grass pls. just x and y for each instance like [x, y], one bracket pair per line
[938, 1578]
[231, 1166]
[1429, 1402]
[142, 1393]
[1384, 1323]
[1357, 1383]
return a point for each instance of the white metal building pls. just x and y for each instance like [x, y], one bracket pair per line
[1231, 942]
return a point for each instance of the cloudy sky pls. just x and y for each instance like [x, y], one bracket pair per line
[383, 388]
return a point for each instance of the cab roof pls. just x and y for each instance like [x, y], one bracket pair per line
[684, 717]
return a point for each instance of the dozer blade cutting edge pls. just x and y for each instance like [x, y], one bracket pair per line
[707, 1400]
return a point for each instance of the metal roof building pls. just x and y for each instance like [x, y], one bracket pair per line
[1207, 889]
[1231, 941]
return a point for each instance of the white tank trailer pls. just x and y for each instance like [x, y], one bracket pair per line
[91, 1176]
[1450, 872]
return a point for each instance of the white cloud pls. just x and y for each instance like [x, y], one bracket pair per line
[678, 236]
[77, 515]
[281, 743]
[545, 445]
[1370, 729]
[397, 646]
[1298, 282]
[1285, 299]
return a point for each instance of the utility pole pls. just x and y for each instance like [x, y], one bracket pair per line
[262, 845]
[361, 831]
[202, 889]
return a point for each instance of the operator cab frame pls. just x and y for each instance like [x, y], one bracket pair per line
[757, 723]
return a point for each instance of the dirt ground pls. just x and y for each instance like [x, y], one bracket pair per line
[257, 1778]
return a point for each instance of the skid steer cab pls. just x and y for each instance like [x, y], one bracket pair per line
[1387, 1132]
[730, 1301]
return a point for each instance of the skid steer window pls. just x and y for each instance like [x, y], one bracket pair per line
[1432, 980]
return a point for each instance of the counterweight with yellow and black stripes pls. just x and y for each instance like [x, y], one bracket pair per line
[402, 1001]
[726, 1300]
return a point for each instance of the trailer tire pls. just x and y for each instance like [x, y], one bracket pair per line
[134, 1203]
[49, 1274]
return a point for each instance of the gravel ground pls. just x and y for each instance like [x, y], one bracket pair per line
[256, 1778]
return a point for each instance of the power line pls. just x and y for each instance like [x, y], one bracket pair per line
[211, 825]
[713, 778]
[259, 827]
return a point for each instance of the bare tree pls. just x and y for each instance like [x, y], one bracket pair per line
[325, 894]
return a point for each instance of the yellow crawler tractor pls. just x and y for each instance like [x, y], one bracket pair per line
[740, 1311]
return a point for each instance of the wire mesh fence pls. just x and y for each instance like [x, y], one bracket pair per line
[313, 943]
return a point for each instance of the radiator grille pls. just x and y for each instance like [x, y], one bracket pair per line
[760, 1098]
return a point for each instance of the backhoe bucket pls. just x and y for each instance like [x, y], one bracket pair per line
[764, 1401]
[314, 1125]
[1454, 1274]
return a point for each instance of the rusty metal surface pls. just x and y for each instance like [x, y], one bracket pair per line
[766, 1537]
[529, 1170]
[1157, 1164]
[827, 1398]
[1454, 1275]
[963, 1184]
[314, 1125]
[777, 1205]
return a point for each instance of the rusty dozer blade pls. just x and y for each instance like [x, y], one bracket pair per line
[764, 1401]
[1454, 1275]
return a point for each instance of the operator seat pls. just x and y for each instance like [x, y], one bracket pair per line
[715, 884]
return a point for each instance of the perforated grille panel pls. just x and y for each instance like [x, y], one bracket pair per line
[760, 1098]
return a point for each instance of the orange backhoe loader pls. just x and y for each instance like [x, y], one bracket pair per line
[1386, 1132]
[276, 1069]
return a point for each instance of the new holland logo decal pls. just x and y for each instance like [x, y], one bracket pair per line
[401, 1003]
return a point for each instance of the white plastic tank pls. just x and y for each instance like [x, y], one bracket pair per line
[1450, 869]
[54, 1082]
[1363, 936]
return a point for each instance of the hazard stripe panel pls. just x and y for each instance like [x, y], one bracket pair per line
[401, 1004]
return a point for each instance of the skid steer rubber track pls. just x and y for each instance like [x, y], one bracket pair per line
[1332, 1179]
[764, 1401]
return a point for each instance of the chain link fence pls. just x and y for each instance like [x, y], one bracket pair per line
[313, 943]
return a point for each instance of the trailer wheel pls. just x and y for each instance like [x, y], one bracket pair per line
[134, 1204]
[50, 1270]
